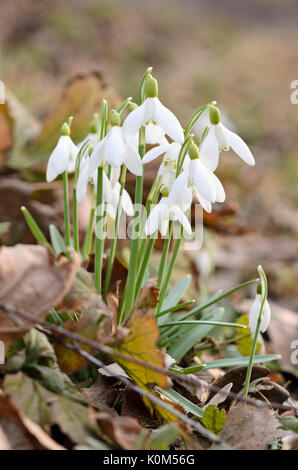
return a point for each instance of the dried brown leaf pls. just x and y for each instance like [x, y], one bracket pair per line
[248, 427]
[33, 281]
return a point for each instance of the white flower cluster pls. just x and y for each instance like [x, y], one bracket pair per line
[181, 175]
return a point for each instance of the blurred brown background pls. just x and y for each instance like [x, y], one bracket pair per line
[242, 54]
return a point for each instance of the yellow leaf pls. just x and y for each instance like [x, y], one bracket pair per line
[141, 344]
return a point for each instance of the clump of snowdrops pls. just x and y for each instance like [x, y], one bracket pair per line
[128, 139]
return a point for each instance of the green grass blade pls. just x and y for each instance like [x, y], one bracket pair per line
[186, 404]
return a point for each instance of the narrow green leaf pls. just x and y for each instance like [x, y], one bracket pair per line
[203, 322]
[175, 308]
[192, 336]
[186, 404]
[174, 296]
[57, 240]
[37, 233]
[240, 361]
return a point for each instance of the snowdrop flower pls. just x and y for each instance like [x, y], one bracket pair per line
[116, 149]
[221, 138]
[155, 116]
[172, 206]
[205, 184]
[63, 157]
[255, 312]
[257, 305]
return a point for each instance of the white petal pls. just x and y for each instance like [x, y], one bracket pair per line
[220, 192]
[178, 188]
[97, 156]
[51, 171]
[133, 160]
[114, 176]
[58, 161]
[240, 147]
[209, 151]
[134, 120]
[254, 313]
[202, 178]
[126, 203]
[266, 317]
[220, 132]
[168, 121]
[132, 139]
[82, 180]
[115, 147]
[173, 151]
[152, 222]
[177, 214]
[204, 203]
[154, 133]
[154, 153]
[106, 188]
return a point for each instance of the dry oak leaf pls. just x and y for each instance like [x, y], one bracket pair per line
[17, 432]
[33, 281]
[251, 428]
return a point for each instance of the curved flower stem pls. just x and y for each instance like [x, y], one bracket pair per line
[196, 115]
[254, 345]
[98, 237]
[87, 246]
[115, 235]
[66, 210]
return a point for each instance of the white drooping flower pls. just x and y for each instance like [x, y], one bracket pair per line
[221, 138]
[255, 312]
[255, 309]
[117, 149]
[63, 157]
[205, 184]
[155, 116]
[171, 207]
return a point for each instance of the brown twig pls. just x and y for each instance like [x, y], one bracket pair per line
[111, 352]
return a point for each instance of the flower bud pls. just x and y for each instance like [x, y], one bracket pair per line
[214, 115]
[131, 107]
[164, 191]
[151, 87]
[193, 151]
[115, 118]
[65, 130]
